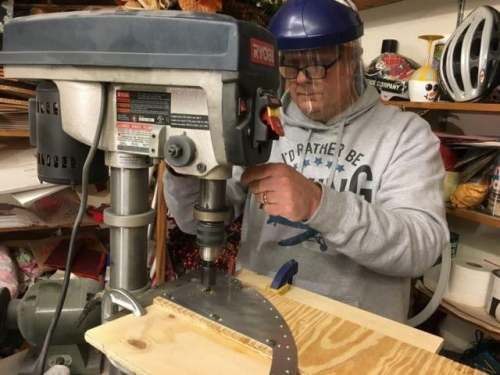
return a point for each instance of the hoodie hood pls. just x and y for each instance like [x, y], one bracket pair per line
[293, 116]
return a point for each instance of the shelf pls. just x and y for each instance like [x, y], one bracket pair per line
[87, 222]
[475, 316]
[472, 215]
[446, 106]
[19, 133]
[11, 236]
[367, 4]
[67, 5]
[26, 4]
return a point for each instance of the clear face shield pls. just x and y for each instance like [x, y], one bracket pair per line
[324, 82]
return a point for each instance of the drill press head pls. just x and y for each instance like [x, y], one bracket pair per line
[186, 87]
[196, 82]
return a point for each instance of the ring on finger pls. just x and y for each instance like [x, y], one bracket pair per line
[264, 198]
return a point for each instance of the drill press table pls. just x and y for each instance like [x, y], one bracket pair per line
[332, 338]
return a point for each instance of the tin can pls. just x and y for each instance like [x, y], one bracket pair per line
[494, 189]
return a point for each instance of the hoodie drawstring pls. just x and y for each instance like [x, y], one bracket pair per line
[336, 156]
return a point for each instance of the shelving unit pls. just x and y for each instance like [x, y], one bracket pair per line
[476, 317]
[471, 215]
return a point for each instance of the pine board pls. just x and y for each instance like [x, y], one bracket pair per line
[164, 341]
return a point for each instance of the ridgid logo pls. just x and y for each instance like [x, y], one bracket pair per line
[261, 52]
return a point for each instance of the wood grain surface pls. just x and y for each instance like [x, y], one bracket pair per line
[170, 339]
[398, 331]
[331, 345]
[164, 342]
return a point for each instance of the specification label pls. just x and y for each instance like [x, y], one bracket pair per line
[136, 113]
[181, 120]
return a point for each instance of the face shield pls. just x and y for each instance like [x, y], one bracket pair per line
[324, 82]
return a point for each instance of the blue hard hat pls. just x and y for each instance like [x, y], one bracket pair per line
[309, 24]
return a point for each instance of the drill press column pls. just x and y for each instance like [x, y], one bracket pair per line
[128, 216]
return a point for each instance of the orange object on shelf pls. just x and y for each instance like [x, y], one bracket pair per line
[207, 6]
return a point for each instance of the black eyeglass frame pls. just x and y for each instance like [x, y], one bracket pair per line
[303, 69]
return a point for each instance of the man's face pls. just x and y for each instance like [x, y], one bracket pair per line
[322, 87]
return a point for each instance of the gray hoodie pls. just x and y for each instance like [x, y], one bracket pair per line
[381, 219]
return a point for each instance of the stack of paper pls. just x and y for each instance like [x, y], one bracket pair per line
[18, 174]
[458, 140]
[19, 184]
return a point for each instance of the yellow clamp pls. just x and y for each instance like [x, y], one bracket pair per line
[279, 291]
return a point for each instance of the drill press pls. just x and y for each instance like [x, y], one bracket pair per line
[186, 87]
[189, 88]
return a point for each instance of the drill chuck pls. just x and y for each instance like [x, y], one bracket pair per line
[210, 234]
[211, 214]
[210, 237]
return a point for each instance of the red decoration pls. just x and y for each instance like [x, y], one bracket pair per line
[185, 255]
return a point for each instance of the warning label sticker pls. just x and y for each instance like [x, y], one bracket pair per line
[136, 113]
[133, 137]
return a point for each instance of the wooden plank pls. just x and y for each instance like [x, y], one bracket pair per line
[161, 226]
[215, 327]
[171, 339]
[21, 133]
[164, 342]
[374, 322]
[472, 215]
[15, 103]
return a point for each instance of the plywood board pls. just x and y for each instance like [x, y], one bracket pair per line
[330, 345]
[387, 327]
[327, 344]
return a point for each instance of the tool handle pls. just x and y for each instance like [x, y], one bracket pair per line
[285, 274]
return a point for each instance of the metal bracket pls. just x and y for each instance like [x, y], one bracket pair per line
[121, 298]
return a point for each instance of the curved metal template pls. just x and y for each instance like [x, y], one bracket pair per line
[244, 310]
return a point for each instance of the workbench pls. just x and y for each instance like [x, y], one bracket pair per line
[331, 338]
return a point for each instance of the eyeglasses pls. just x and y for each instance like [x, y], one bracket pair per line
[316, 71]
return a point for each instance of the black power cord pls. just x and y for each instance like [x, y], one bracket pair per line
[42, 358]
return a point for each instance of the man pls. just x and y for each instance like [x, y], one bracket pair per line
[353, 191]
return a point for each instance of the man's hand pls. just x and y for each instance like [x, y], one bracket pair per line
[283, 191]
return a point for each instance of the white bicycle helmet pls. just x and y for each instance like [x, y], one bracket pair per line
[470, 64]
